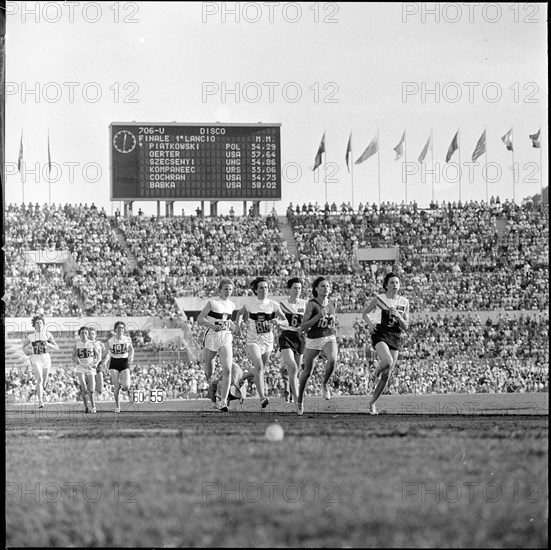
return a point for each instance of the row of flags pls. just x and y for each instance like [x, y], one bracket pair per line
[20, 155]
[373, 147]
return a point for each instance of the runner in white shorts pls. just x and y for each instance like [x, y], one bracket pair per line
[37, 347]
[261, 315]
[216, 316]
[85, 357]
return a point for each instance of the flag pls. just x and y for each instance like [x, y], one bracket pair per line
[536, 139]
[348, 151]
[425, 150]
[49, 157]
[400, 147]
[454, 146]
[480, 148]
[20, 156]
[508, 140]
[372, 148]
[321, 151]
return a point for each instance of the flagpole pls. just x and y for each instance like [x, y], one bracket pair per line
[432, 162]
[352, 170]
[541, 172]
[49, 178]
[379, 165]
[486, 157]
[325, 164]
[20, 162]
[513, 158]
[406, 162]
[459, 156]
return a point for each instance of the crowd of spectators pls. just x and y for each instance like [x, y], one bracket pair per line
[442, 354]
[462, 257]
[472, 256]
[191, 254]
[43, 289]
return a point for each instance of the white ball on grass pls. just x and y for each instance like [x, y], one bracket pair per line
[274, 432]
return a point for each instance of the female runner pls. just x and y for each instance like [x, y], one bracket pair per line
[261, 314]
[387, 334]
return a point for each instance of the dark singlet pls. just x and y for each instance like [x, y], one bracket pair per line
[325, 326]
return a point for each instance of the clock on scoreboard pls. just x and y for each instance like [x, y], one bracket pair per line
[173, 161]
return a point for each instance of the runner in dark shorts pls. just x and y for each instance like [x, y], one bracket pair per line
[291, 340]
[386, 335]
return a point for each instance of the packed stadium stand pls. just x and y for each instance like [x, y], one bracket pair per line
[476, 274]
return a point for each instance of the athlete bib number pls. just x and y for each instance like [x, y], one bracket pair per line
[295, 321]
[262, 327]
[84, 353]
[392, 319]
[225, 325]
[39, 347]
[326, 322]
[119, 349]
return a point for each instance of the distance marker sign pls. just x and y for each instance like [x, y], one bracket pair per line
[155, 161]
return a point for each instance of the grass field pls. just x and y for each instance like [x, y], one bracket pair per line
[434, 471]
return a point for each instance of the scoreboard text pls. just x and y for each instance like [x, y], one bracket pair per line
[195, 161]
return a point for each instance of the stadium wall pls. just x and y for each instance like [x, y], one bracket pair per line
[15, 325]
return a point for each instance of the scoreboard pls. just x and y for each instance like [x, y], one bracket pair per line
[172, 161]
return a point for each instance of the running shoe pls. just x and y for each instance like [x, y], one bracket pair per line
[41, 405]
[224, 407]
[94, 410]
[300, 409]
[326, 393]
[118, 409]
[372, 410]
[264, 403]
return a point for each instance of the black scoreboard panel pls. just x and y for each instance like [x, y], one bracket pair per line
[155, 161]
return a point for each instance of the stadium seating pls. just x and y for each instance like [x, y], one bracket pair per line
[454, 257]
